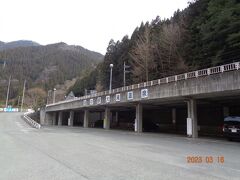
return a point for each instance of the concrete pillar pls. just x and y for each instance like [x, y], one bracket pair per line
[225, 111]
[54, 118]
[48, 118]
[192, 114]
[194, 118]
[138, 119]
[42, 116]
[174, 116]
[106, 121]
[116, 117]
[70, 119]
[60, 116]
[86, 118]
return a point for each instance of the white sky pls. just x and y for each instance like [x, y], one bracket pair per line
[89, 23]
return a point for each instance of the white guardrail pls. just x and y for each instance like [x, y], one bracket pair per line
[180, 77]
[31, 121]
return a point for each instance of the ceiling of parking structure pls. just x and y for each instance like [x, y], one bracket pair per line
[218, 100]
[111, 107]
[92, 109]
[123, 109]
[224, 94]
[163, 106]
[221, 101]
[169, 103]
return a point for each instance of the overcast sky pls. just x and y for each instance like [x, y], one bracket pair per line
[89, 23]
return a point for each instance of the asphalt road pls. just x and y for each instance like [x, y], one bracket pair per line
[77, 153]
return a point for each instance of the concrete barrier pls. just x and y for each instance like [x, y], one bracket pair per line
[31, 121]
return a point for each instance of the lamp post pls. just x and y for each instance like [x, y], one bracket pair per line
[54, 95]
[110, 85]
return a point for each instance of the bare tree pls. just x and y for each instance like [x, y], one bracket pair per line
[36, 97]
[141, 55]
[167, 50]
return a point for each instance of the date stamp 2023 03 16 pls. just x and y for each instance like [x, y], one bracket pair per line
[205, 159]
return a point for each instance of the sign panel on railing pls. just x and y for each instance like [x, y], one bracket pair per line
[130, 95]
[108, 99]
[91, 102]
[118, 97]
[144, 93]
[99, 100]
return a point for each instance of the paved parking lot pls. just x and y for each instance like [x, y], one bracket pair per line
[78, 153]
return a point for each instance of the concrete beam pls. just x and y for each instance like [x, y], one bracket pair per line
[106, 121]
[192, 114]
[138, 119]
[86, 118]
[60, 117]
[70, 119]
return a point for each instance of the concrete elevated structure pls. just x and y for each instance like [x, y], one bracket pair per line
[187, 88]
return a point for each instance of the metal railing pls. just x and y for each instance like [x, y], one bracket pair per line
[31, 121]
[179, 77]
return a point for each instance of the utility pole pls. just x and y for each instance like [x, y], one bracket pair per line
[9, 83]
[24, 87]
[48, 95]
[124, 73]
[47, 99]
[18, 101]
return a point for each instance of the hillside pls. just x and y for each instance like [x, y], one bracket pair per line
[206, 33]
[43, 67]
[15, 44]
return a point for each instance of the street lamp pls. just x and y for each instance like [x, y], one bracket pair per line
[110, 85]
[54, 94]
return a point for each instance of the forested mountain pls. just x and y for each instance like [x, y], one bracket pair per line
[43, 67]
[206, 33]
[15, 44]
